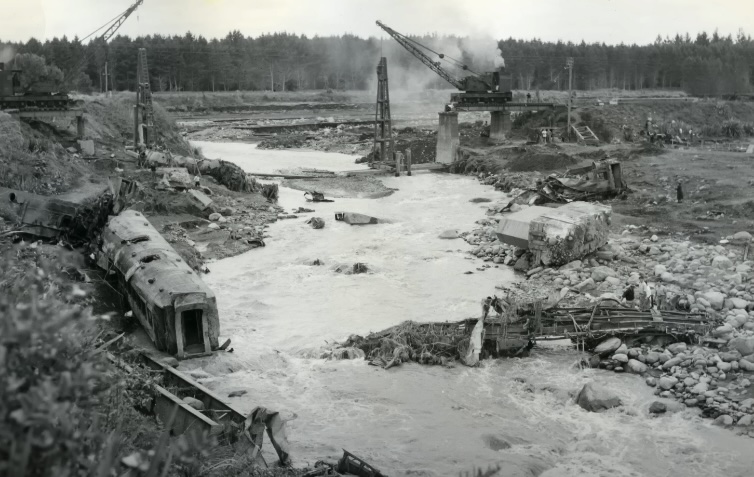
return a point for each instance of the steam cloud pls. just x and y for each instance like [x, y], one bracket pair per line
[7, 53]
[481, 54]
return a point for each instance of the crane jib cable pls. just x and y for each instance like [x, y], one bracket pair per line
[108, 23]
[443, 56]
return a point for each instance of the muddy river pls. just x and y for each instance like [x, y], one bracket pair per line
[420, 420]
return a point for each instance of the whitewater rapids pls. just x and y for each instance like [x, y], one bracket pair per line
[420, 420]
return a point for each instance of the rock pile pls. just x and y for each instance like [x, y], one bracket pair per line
[718, 382]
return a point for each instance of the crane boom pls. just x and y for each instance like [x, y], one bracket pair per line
[114, 27]
[71, 74]
[408, 44]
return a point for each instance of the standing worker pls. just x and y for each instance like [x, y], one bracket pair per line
[679, 192]
[544, 136]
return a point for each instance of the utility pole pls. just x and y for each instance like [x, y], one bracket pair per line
[569, 65]
[106, 74]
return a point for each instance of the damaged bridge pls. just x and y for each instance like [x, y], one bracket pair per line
[515, 331]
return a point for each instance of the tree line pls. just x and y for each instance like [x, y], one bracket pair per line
[704, 65]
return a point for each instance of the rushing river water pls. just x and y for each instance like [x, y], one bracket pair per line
[421, 420]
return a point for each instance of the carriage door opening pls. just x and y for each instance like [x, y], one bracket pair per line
[193, 335]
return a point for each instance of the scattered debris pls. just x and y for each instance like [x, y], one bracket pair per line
[260, 420]
[314, 196]
[350, 464]
[316, 223]
[353, 218]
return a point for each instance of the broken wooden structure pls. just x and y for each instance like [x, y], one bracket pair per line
[584, 135]
[556, 236]
[184, 406]
[172, 303]
[518, 330]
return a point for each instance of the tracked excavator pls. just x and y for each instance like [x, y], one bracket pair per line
[491, 88]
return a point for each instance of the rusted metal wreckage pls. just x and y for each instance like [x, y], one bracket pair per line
[52, 218]
[599, 180]
[172, 303]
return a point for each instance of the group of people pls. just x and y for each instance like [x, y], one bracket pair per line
[644, 297]
[547, 136]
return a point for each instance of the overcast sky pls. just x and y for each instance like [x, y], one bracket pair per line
[609, 21]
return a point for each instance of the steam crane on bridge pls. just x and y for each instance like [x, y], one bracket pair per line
[478, 89]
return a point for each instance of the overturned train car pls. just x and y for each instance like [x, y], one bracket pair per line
[173, 304]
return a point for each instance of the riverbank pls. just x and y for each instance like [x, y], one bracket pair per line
[686, 275]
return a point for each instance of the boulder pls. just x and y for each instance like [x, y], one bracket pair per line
[213, 226]
[227, 211]
[744, 345]
[608, 346]
[745, 420]
[738, 303]
[576, 264]
[745, 365]
[523, 263]
[449, 234]
[741, 237]
[699, 388]
[657, 408]
[215, 216]
[621, 358]
[721, 262]
[676, 348]
[195, 403]
[715, 299]
[599, 274]
[595, 398]
[636, 367]
[652, 382]
[587, 284]
[730, 356]
[667, 382]
[672, 362]
[652, 357]
[723, 420]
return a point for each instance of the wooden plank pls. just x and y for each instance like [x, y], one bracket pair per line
[187, 418]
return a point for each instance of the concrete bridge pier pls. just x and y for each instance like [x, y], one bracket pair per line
[500, 124]
[447, 137]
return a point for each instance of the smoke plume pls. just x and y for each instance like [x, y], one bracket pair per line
[7, 53]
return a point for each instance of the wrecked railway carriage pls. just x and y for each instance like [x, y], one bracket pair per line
[173, 304]
[556, 236]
